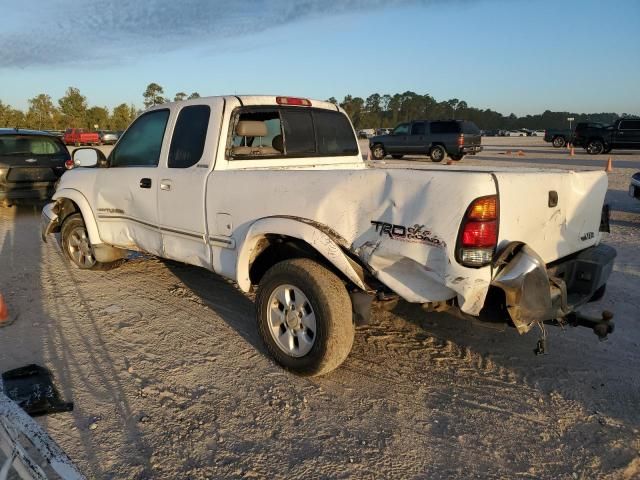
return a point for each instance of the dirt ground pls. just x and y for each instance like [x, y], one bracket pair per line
[170, 380]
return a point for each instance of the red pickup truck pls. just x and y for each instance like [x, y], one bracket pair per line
[80, 136]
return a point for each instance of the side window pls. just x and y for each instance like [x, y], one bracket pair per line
[630, 125]
[333, 134]
[417, 128]
[189, 136]
[402, 129]
[298, 132]
[141, 144]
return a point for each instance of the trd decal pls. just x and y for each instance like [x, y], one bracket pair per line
[587, 236]
[416, 233]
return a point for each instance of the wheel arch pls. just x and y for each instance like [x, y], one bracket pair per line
[69, 201]
[273, 239]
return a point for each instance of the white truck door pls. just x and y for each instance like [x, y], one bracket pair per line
[125, 195]
[182, 183]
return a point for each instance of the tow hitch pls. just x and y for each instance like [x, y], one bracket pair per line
[602, 326]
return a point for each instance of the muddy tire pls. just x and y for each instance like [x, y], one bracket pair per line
[437, 153]
[77, 247]
[559, 142]
[377, 152]
[304, 317]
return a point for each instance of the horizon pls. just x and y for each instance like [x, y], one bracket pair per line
[307, 48]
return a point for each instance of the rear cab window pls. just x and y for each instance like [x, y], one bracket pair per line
[445, 127]
[30, 145]
[289, 132]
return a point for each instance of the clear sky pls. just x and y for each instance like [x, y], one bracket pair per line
[509, 55]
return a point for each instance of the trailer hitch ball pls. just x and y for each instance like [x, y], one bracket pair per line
[602, 326]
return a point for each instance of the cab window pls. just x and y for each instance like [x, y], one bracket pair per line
[402, 129]
[189, 136]
[140, 146]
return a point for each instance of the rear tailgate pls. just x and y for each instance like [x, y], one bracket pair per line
[555, 213]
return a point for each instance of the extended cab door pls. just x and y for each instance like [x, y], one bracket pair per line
[628, 134]
[417, 139]
[124, 197]
[182, 183]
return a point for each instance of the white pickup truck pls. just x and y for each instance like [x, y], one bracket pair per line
[273, 192]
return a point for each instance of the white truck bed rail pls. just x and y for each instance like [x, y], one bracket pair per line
[27, 450]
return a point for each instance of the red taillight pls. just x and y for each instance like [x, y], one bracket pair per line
[293, 101]
[461, 139]
[479, 232]
[69, 164]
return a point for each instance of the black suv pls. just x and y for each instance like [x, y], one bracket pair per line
[623, 134]
[424, 137]
[31, 162]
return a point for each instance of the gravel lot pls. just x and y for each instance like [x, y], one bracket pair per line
[170, 380]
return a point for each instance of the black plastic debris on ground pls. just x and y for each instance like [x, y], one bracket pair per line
[32, 388]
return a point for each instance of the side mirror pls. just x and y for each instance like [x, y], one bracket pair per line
[88, 157]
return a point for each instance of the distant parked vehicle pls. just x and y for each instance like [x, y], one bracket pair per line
[366, 133]
[596, 138]
[31, 162]
[538, 133]
[437, 139]
[558, 138]
[107, 137]
[80, 136]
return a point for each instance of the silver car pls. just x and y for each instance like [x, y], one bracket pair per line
[107, 137]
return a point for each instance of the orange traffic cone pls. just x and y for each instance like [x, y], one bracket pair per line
[508, 152]
[609, 167]
[572, 151]
[449, 162]
[4, 313]
[520, 153]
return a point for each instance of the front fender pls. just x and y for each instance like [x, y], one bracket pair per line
[87, 213]
[296, 228]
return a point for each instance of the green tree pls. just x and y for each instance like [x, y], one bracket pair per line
[179, 97]
[332, 100]
[193, 95]
[11, 117]
[41, 113]
[121, 117]
[153, 95]
[73, 107]
[97, 116]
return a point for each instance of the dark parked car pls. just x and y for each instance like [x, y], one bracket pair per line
[31, 162]
[437, 139]
[623, 134]
[560, 138]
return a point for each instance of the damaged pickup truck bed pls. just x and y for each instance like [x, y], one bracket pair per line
[272, 192]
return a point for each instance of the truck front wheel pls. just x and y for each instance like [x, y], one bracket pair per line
[304, 317]
[78, 248]
[377, 152]
[595, 147]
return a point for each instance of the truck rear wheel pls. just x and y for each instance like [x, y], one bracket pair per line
[78, 248]
[559, 142]
[304, 317]
[437, 153]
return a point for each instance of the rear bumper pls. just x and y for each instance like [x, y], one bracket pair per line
[535, 292]
[471, 149]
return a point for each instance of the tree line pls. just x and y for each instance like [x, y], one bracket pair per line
[375, 111]
[73, 111]
[387, 111]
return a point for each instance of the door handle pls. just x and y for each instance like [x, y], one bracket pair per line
[145, 183]
[165, 185]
